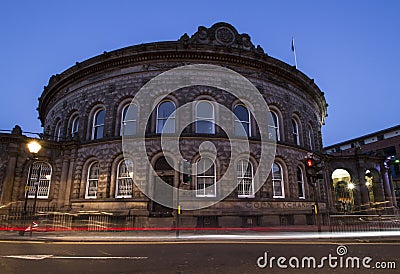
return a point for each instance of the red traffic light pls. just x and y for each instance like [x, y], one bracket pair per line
[310, 163]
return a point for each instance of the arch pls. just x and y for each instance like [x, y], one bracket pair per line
[278, 127]
[245, 178]
[343, 190]
[295, 130]
[205, 117]
[129, 120]
[57, 131]
[278, 184]
[242, 125]
[92, 111]
[39, 175]
[165, 112]
[92, 180]
[124, 179]
[205, 181]
[73, 125]
[98, 124]
[300, 182]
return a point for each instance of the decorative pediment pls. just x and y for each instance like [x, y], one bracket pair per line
[221, 34]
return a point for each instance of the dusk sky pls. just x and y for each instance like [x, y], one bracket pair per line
[350, 48]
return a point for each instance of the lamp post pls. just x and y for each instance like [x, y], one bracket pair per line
[33, 147]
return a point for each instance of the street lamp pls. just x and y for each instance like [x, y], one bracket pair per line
[33, 147]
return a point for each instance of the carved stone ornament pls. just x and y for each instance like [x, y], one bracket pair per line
[221, 34]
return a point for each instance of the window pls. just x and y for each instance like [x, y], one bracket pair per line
[300, 183]
[92, 181]
[165, 110]
[295, 132]
[129, 120]
[277, 181]
[273, 130]
[205, 180]
[40, 176]
[124, 179]
[205, 118]
[74, 126]
[245, 181]
[57, 132]
[98, 125]
[310, 138]
[242, 121]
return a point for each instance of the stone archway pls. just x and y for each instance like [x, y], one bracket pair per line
[343, 190]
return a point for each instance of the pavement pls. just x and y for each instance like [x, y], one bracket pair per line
[191, 236]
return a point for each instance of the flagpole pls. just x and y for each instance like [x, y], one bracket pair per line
[294, 52]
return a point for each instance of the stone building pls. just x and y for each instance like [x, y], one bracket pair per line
[83, 111]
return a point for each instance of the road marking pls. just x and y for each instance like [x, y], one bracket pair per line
[42, 257]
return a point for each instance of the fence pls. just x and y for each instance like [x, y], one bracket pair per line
[359, 223]
[51, 220]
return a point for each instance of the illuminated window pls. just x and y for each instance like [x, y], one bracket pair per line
[205, 118]
[165, 112]
[98, 124]
[124, 179]
[205, 180]
[273, 130]
[295, 132]
[92, 181]
[129, 120]
[245, 181]
[277, 181]
[40, 176]
[300, 183]
[242, 121]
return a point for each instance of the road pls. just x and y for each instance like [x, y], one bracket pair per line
[189, 257]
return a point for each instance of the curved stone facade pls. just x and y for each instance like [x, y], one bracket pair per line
[82, 108]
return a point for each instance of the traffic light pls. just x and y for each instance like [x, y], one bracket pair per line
[313, 168]
[187, 172]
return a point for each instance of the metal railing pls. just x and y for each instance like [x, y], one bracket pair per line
[364, 223]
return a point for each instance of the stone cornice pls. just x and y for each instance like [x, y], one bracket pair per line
[186, 51]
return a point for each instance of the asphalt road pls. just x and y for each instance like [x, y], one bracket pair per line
[193, 257]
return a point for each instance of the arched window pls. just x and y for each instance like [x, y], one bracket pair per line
[92, 181]
[205, 178]
[165, 110]
[57, 132]
[274, 129]
[40, 176]
[242, 121]
[245, 181]
[277, 181]
[74, 126]
[124, 179]
[98, 124]
[295, 132]
[129, 120]
[310, 137]
[205, 117]
[300, 183]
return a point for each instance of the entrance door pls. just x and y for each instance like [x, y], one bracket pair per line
[161, 190]
[162, 194]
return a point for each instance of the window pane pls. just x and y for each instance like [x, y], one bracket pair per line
[205, 110]
[166, 109]
[75, 126]
[129, 128]
[204, 126]
[98, 132]
[241, 113]
[99, 119]
[131, 114]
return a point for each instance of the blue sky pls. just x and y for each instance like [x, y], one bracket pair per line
[350, 48]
